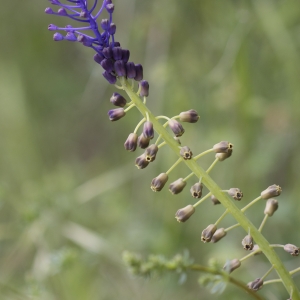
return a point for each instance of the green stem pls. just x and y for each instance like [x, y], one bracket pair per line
[212, 165]
[189, 176]
[173, 167]
[138, 125]
[263, 223]
[217, 192]
[250, 204]
[268, 272]
[249, 255]
[222, 217]
[295, 271]
[204, 198]
[203, 153]
[232, 227]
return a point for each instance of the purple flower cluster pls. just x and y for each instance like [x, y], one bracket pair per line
[109, 54]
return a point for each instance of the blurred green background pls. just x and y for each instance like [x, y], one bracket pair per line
[71, 199]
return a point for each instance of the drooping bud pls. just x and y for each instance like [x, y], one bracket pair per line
[185, 213]
[107, 64]
[177, 186]
[208, 233]
[219, 234]
[223, 156]
[196, 190]
[130, 70]
[143, 142]
[231, 265]
[131, 142]
[120, 68]
[272, 191]
[186, 153]
[223, 147]
[235, 193]
[256, 284]
[116, 114]
[97, 57]
[107, 52]
[112, 79]
[141, 161]
[150, 153]
[159, 182]
[144, 88]
[125, 55]
[148, 130]
[176, 127]
[118, 100]
[190, 116]
[291, 249]
[139, 72]
[271, 207]
[247, 242]
[214, 200]
[117, 53]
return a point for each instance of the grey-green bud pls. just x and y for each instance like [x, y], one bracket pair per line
[223, 156]
[214, 200]
[231, 265]
[219, 234]
[256, 284]
[208, 233]
[131, 142]
[150, 153]
[177, 186]
[247, 242]
[272, 191]
[196, 190]
[159, 182]
[186, 153]
[143, 142]
[141, 162]
[176, 127]
[223, 147]
[190, 116]
[271, 207]
[235, 193]
[291, 249]
[185, 213]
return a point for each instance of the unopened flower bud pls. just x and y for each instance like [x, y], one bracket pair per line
[272, 191]
[144, 88]
[176, 127]
[130, 70]
[148, 130]
[223, 156]
[138, 72]
[214, 200]
[208, 233]
[141, 161]
[159, 182]
[271, 207]
[150, 153]
[131, 142]
[256, 284]
[118, 100]
[143, 142]
[190, 116]
[177, 186]
[219, 234]
[184, 214]
[186, 153]
[223, 147]
[116, 114]
[120, 68]
[196, 190]
[247, 242]
[235, 193]
[231, 265]
[256, 249]
[291, 249]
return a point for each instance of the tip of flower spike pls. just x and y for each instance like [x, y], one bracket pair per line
[70, 36]
[110, 8]
[49, 10]
[58, 37]
[52, 27]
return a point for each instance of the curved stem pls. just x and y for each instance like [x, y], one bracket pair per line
[263, 223]
[250, 204]
[176, 163]
[203, 153]
[204, 198]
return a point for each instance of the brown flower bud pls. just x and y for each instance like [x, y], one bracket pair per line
[271, 207]
[214, 200]
[184, 214]
[208, 233]
[186, 152]
[256, 248]
[148, 130]
[177, 186]
[176, 127]
[292, 249]
[231, 265]
[247, 242]
[272, 191]
[256, 284]
[196, 190]
[150, 153]
[223, 147]
[219, 234]
[131, 142]
[143, 142]
[190, 116]
[141, 162]
[223, 156]
[235, 193]
[159, 182]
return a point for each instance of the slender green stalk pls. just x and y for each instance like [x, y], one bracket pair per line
[203, 199]
[250, 204]
[189, 176]
[267, 273]
[176, 163]
[217, 191]
[222, 217]
[212, 165]
[263, 223]
[232, 227]
[203, 153]
[295, 271]
[249, 255]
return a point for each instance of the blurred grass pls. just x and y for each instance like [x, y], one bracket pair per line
[71, 199]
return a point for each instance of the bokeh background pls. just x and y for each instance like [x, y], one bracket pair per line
[71, 199]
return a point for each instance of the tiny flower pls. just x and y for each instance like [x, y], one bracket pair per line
[144, 88]
[139, 72]
[176, 127]
[130, 70]
[116, 114]
[219, 234]
[235, 193]
[112, 79]
[231, 265]
[148, 130]
[143, 142]
[125, 55]
[177, 186]
[196, 190]
[120, 68]
[159, 182]
[214, 200]
[118, 100]
[131, 142]
[141, 162]
[272, 191]
[190, 116]
[223, 147]
[186, 153]
[208, 233]
[291, 249]
[150, 153]
[117, 53]
[271, 207]
[247, 242]
[223, 156]
[185, 213]
[256, 284]
[98, 58]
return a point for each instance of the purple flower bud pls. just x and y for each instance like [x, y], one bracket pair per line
[62, 12]
[208, 233]
[70, 36]
[112, 79]
[98, 58]
[105, 24]
[58, 37]
[125, 55]
[185, 213]
[117, 53]
[118, 100]
[112, 29]
[150, 153]
[116, 114]
[49, 10]
[141, 162]
[107, 52]
[115, 44]
[143, 142]
[130, 70]
[84, 40]
[177, 186]
[110, 8]
[190, 116]
[144, 88]
[176, 127]
[120, 68]
[148, 130]
[159, 182]
[107, 64]
[139, 72]
[256, 284]
[219, 234]
[52, 27]
[223, 147]
[131, 142]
